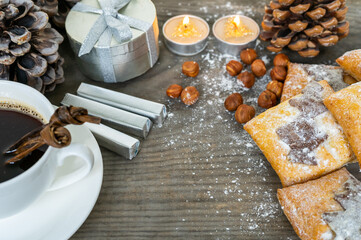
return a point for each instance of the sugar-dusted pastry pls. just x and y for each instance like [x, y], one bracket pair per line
[348, 79]
[326, 208]
[351, 63]
[299, 75]
[345, 105]
[300, 137]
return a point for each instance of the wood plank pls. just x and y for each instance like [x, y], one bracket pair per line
[200, 176]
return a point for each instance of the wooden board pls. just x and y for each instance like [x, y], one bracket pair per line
[200, 176]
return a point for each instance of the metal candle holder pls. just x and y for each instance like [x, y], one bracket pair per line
[186, 49]
[234, 48]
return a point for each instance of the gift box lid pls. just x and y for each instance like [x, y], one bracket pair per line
[78, 24]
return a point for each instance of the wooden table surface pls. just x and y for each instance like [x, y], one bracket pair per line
[200, 175]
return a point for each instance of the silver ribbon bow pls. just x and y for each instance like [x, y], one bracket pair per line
[112, 24]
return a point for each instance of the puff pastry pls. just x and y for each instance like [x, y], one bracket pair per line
[351, 63]
[348, 79]
[299, 75]
[326, 208]
[300, 137]
[345, 106]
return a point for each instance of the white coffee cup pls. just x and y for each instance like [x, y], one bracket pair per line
[21, 191]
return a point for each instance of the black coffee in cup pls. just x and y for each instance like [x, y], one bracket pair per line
[15, 122]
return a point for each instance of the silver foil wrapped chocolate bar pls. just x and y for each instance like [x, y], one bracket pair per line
[121, 120]
[157, 112]
[115, 141]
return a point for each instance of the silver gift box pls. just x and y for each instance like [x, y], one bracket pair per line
[129, 59]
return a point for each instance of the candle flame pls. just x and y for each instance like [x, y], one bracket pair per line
[235, 28]
[185, 21]
[236, 21]
[186, 29]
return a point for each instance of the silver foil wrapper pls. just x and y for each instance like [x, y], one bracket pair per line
[121, 120]
[116, 141]
[155, 111]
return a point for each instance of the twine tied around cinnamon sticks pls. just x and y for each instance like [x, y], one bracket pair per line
[53, 133]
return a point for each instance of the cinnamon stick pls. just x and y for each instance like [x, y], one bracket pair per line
[53, 134]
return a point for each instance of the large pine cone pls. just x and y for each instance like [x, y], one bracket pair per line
[29, 46]
[304, 25]
[56, 9]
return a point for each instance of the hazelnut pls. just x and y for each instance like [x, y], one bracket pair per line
[244, 113]
[234, 67]
[281, 60]
[267, 99]
[247, 78]
[248, 56]
[190, 69]
[258, 68]
[278, 73]
[233, 101]
[174, 91]
[189, 95]
[276, 87]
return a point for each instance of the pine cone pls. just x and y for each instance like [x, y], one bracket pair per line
[56, 9]
[48, 6]
[29, 46]
[304, 25]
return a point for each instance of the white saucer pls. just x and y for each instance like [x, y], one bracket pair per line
[59, 214]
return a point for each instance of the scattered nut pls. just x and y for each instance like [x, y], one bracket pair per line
[189, 95]
[276, 87]
[278, 73]
[244, 113]
[281, 60]
[234, 67]
[247, 78]
[174, 90]
[248, 56]
[267, 99]
[258, 68]
[233, 101]
[190, 69]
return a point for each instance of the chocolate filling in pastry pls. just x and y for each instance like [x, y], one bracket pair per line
[347, 224]
[302, 135]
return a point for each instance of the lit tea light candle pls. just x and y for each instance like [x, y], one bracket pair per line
[186, 35]
[234, 33]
